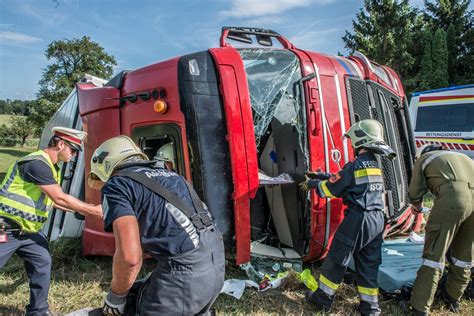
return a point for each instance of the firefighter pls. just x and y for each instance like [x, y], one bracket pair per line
[166, 154]
[449, 176]
[359, 236]
[29, 191]
[148, 206]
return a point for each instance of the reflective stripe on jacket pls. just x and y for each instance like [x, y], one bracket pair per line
[22, 201]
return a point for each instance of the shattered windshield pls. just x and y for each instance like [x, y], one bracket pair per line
[272, 77]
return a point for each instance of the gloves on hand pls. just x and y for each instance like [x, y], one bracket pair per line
[318, 175]
[304, 185]
[311, 177]
[114, 304]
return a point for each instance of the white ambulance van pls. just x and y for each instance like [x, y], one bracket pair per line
[445, 117]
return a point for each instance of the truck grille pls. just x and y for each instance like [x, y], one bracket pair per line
[395, 176]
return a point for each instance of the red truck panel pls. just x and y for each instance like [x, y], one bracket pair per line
[99, 108]
[243, 153]
[140, 113]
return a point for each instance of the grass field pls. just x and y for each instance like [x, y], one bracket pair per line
[79, 282]
[4, 118]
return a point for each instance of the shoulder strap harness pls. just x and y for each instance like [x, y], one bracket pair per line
[198, 215]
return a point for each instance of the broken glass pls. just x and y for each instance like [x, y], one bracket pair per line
[272, 76]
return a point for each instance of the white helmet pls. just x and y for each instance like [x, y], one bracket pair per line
[111, 153]
[166, 153]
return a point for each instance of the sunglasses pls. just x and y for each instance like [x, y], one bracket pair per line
[73, 149]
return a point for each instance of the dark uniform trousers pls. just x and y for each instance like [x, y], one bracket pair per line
[359, 236]
[450, 225]
[33, 250]
[186, 284]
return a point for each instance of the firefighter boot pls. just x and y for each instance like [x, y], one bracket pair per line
[319, 300]
[451, 303]
[410, 310]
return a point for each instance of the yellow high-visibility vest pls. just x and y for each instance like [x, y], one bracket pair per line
[23, 202]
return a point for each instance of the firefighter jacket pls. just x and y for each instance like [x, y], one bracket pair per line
[359, 184]
[437, 168]
[24, 202]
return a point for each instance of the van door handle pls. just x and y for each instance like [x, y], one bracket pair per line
[467, 138]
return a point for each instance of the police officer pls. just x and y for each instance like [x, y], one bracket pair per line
[450, 177]
[360, 235]
[147, 206]
[30, 189]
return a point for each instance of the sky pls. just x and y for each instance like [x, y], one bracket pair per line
[141, 32]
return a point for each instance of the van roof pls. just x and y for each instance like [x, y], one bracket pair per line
[414, 94]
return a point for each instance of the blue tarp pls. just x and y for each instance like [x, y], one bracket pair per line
[401, 259]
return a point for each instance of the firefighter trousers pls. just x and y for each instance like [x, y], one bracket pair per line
[186, 284]
[450, 225]
[360, 237]
[33, 250]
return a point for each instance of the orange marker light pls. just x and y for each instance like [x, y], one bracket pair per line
[160, 106]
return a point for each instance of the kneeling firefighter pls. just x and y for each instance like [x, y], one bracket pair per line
[147, 206]
[360, 235]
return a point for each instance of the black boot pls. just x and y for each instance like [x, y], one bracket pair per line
[451, 303]
[310, 298]
[410, 310]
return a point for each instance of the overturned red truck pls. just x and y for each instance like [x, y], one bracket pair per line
[253, 109]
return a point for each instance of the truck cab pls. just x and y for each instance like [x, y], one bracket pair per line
[244, 122]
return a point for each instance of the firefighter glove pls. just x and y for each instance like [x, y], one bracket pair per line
[318, 175]
[304, 185]
[308, 184]
[114, 304]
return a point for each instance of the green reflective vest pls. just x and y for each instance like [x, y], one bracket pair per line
[24, 202]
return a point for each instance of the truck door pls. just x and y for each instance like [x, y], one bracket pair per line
[98, 107]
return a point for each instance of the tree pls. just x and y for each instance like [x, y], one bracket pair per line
[71, 59]
[20, 128]
[384, 31]
[466, 60]
[426, 65]
[443, 14]
[440, 60]
[452, 54]
[40, 115]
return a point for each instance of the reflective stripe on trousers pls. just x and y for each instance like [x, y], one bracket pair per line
[460, 263]
[327, 286]
[433, 264]
[368, 294]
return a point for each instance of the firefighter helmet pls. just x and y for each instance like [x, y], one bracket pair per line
[365, 132]
[427, 148]
[110, 154]
[369, 134]
[166, 153]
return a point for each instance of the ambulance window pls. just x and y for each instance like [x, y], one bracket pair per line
[458, 116]
[445, 118]
[431, 119]
[161, 141]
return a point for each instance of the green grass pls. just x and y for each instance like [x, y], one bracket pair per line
[8, 155]
[4, 119]
[79, 282]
